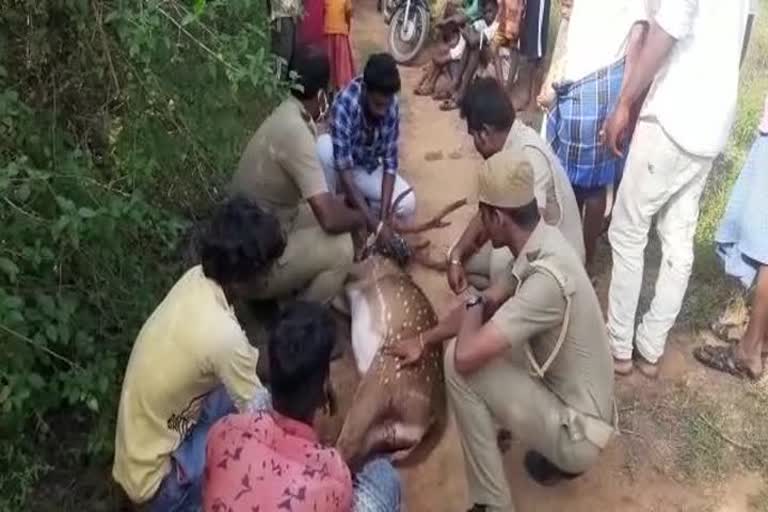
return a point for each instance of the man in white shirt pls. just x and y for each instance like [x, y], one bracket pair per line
[684, 124]
[603, 40]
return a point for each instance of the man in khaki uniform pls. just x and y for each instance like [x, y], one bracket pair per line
[280, 172]
[492, 124]
[530, 353]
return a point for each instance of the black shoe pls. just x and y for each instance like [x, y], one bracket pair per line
[544, 472]
[478, 508]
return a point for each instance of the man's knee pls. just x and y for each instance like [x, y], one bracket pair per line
[407, 206]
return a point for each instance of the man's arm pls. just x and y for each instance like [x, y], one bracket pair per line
[234, 363]
[451, 324]
[537, 307]
[635, 43]
[341, 134]
[390, 161]
[651, 58]
[333, 215]
[473, 237]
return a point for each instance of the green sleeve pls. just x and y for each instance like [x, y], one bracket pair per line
[472, 9]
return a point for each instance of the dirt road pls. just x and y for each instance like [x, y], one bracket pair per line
[439, 160]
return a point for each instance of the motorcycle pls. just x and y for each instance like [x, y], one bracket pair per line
[409, 26]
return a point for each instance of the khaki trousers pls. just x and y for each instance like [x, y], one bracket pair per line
[504, 393]
[314, 265]
[487, 265]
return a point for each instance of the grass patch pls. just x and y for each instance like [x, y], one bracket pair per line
[708, 433]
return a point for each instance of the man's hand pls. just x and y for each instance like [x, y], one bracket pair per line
[385, 237]
[457, 277]
[407, 351]
[615, 129]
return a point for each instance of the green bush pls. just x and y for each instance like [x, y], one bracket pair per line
[119, 123]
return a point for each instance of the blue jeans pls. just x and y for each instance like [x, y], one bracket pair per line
[377, 487]
[181, 489]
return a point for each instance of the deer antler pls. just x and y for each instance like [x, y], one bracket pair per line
[399, 198]
[435, 222]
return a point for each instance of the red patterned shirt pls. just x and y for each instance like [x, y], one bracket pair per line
[265, 462]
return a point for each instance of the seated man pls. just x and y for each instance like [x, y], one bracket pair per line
[477, 54]
[280, 172]
[446, 58]
[361, 151]
[531, 353]
[166, 409]
[272, 459]
[492, 124]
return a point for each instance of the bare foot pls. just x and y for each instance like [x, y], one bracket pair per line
[623, 367]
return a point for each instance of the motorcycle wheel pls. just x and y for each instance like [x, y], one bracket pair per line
[407, 37]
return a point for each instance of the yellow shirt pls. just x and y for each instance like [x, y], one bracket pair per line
[337, 14]
[190, 344]
[279, 168]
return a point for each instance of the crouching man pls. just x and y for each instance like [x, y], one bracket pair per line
[530, 353]
[360, 156]
[192, 364]
[280, 171]
[272, 459]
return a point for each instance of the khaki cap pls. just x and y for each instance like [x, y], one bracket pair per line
[506, 180]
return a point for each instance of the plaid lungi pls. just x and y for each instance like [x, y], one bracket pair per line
[574, 124]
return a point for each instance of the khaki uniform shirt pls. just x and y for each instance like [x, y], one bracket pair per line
[279, 168]
[581, 374]
[554, 193]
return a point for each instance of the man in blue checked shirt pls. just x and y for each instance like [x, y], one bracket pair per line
[360, 156]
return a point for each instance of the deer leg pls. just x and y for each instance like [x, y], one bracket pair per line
[369, 406]
[436, 222]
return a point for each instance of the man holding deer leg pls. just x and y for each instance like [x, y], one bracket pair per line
[529, 353]
[280, 171]
[360, 156]
[491, 123]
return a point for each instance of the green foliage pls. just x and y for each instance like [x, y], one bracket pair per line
[119, 123]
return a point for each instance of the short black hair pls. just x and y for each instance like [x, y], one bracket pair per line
[381, 74]
[526, 216]
[241, 241]
[311, 71]
[299, 350]
[486, 104]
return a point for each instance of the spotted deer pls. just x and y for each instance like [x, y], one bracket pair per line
[393, 408]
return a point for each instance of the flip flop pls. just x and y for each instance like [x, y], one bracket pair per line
[441, 96]
[423, 91]
[722, 359]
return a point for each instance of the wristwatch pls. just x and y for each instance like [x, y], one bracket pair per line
[475, 300]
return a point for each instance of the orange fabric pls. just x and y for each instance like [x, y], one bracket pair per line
[509, 16]
[342, 62]
[337, 16]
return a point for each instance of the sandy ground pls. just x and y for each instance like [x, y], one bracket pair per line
[439, 160]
